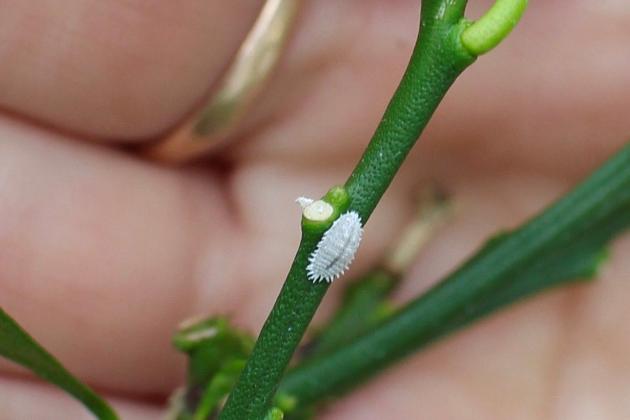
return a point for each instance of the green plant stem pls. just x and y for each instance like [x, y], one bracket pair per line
[437, 60]
[299, 298]
[564, 243]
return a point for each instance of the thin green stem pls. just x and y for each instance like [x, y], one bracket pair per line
[437, 60]
[281, 334]
[286, 324]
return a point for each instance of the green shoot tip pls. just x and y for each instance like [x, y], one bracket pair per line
[493, 27]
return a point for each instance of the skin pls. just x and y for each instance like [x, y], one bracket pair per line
[102, 253]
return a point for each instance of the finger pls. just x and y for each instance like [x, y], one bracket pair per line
[115, 68]
[536, 97]
[101, 255]
[560, 355]
[25, 400]
[326, 58]
[594, 376]
[502, 367]
[97, 252]
[117, 71]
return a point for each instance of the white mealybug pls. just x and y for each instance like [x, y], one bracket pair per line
[336, 250]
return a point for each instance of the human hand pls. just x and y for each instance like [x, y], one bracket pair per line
[103, 253]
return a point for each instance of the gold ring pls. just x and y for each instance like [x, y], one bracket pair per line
[253, 64]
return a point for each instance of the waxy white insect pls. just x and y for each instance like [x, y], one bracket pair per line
[336, 250]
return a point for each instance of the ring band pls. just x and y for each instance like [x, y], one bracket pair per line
[254, 62]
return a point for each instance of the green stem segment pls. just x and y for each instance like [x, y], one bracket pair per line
[286, 324]
[282, 332]
[438, 58]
